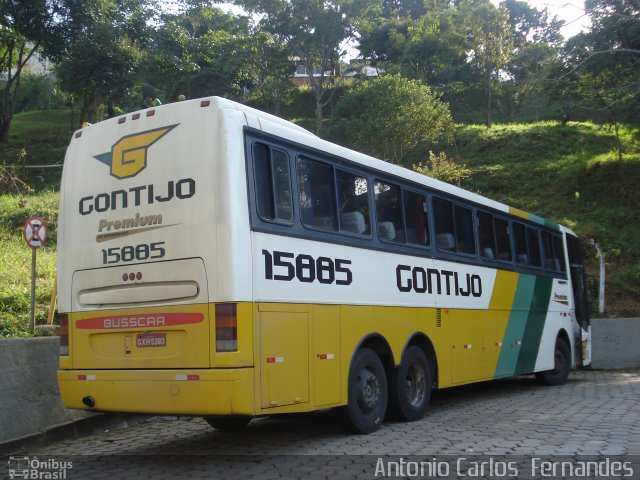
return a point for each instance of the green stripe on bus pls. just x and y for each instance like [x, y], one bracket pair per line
[535, 325]
[552, 225]
[543, 221]
[536, 219]
[516, 327]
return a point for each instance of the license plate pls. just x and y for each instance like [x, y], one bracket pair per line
[151, 340]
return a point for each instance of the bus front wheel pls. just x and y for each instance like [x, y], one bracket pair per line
[562, 366]
[410, 387]
[368, 393]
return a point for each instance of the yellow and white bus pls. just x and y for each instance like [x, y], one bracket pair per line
[217, 261]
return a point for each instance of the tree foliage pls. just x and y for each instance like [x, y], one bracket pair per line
[313, 32]
[25, 26]
[486, 61]
[441, 167]
[202, 51]
[390, 117]
[102, 50]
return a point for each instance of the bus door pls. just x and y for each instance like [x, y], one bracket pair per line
[580, 299]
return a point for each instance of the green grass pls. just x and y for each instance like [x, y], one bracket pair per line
[15, 261]
[568, 173]
[38, 138]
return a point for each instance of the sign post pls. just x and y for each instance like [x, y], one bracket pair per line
[35, 234]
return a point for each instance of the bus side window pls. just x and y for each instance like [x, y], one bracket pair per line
[547, 248]
[443, 218]
[416, 218]
[558, 254]
[353, 203]
[522, 255]
[486, 236]
[388, 212]
[503, 243]
[553, 253]
[273, 183]
[533, 242]
[316, 192]
[465, 233]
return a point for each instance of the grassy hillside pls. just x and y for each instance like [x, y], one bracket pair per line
[36, 138]
[569, 173]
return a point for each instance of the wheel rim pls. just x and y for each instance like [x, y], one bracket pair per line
[416, 384]
[369, 388]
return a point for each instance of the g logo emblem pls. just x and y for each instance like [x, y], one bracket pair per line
[128, 156]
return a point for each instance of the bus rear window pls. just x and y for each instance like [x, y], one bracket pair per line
[273, 183]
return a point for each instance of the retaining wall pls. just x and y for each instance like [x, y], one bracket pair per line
[29, 398]
[615, 343]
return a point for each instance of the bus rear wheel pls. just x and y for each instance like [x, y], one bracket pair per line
[227, 424]
[562, 366]
[410, 387]
[368, 393]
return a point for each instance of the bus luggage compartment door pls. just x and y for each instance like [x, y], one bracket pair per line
[284, 338]
[141, 316]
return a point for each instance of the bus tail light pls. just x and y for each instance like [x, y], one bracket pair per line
[226, 327]
[64, 334]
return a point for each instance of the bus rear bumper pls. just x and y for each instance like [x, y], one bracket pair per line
[169, 392]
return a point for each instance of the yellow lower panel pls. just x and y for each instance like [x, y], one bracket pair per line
[214, 392]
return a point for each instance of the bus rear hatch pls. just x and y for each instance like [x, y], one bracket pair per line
[152, 315]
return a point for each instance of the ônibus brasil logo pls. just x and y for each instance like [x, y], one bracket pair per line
[128, 156]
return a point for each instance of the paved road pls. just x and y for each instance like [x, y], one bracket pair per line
[594, 414]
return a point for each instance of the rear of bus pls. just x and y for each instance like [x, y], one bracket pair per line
[153, 271]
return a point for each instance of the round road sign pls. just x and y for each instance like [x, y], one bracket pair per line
[35, 232]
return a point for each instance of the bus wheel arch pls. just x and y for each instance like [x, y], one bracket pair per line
[562, 362]
[563, 335]
[367, 386]
[411, 383]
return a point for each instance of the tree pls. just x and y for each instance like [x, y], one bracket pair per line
[609, 56]
[202, 51]
[270, 69]
[492, 45]
[25, 26]
[429, 47]
[602, 70]
[536, 41]
[390, 117]
[100, 56]
[314, 32]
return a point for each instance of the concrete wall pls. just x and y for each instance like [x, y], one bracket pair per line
[29, 399]
[615, 343]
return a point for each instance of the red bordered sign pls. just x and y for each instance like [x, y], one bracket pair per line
[35, 232]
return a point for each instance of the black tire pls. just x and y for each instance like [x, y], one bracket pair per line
[410, 387]
[562, 366]
[227, 424]
[368, 394]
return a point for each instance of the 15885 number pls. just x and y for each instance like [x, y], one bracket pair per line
[286, 266]
[130, 253]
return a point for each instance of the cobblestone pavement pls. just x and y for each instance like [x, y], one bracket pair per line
[594, 415]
